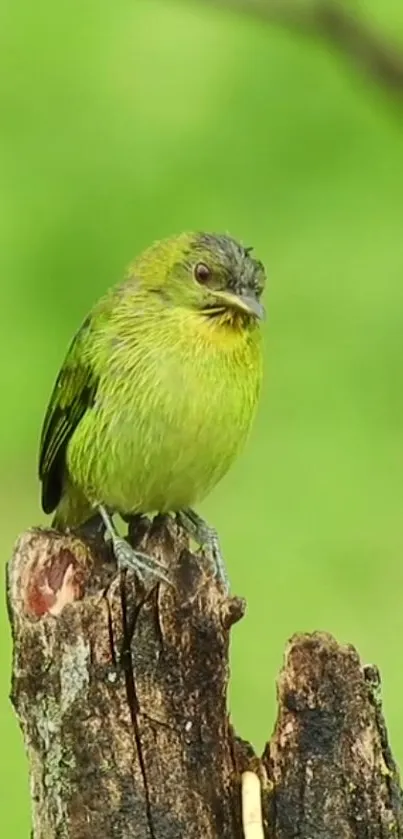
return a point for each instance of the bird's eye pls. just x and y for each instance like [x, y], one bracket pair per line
[202, 272]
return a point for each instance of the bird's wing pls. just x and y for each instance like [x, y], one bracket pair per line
[74, 392]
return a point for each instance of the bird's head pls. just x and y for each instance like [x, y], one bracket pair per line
[207, 273]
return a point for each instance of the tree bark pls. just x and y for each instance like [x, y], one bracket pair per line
[121, 690]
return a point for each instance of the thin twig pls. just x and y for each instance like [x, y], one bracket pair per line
[367, 49]
[252, 817]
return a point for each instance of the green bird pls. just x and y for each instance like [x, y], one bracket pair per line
[157, 393]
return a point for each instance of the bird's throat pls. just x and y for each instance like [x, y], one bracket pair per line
[226, 317]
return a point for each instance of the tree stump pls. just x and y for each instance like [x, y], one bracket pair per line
[121, 694]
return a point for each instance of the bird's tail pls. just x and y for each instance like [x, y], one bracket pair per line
[73, 510]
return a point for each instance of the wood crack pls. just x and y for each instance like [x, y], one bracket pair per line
[128, 634]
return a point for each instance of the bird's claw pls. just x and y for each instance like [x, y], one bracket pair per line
[142, 564]
[208, 540]
[127, 557]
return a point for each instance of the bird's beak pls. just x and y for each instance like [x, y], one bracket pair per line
[242, 303]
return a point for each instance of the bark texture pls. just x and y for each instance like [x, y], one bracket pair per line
[120, 691]
[329, 759]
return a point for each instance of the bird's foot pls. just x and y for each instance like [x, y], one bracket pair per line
[128, 558]
[141, 563]
[207, 538]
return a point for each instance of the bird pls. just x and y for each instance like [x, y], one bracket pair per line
[157, 393]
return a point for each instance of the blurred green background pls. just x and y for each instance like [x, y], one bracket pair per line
[124, 122]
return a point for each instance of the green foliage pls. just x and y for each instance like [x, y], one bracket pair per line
[126, 122]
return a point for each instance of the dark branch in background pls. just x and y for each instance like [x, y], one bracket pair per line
[368, 50]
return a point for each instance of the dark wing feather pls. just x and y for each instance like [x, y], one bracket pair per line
[73, 393]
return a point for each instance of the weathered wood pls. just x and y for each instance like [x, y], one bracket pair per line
[121, 696]
[329, 758]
